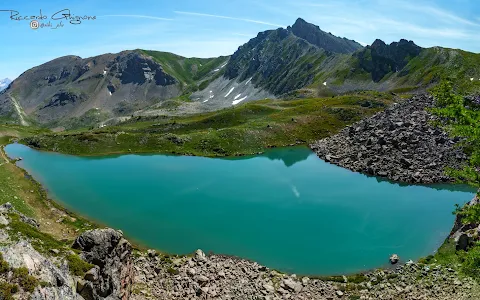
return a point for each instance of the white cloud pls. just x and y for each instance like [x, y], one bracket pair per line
[227, 17]
[441, 14]
[139, 16]
[415, 30]
[245, 34]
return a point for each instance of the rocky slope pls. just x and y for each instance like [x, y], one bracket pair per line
[327, 41]
[103, 86]
[379, 59]
[72, 92]
[282, 61]
[398, 143]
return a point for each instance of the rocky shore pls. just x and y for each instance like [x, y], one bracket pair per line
[219, 277]
[398, 143]
[115, 271]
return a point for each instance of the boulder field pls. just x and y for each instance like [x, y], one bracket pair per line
[399, 143]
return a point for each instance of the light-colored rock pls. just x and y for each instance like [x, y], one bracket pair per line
[394, 259]
[269, 288]
[200, 256]
[292, 285]
[3, 220]
[191, 272]
[202, 278]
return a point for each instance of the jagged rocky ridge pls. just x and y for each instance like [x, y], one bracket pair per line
[379, 59]
[399, 143]
[327, 41]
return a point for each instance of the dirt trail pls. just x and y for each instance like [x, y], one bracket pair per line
[2, 153]
[19, 111]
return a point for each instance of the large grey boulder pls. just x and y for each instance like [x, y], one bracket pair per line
[107, 249]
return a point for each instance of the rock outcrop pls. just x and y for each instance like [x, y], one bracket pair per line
[111, 254]
[379, 59]
[465, 235]
[399, 143]
[327, 41]
[21, 254]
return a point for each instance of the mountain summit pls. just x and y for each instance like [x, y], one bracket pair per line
[327, 41]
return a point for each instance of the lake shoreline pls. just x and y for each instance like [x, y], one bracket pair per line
[154, 270]
[142, 245]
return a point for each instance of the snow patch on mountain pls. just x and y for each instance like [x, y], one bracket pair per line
[4, 83]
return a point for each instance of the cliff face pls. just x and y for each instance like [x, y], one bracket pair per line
[71, 86]
[111, 254]
[379, 59]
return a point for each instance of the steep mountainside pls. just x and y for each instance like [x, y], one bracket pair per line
[101, 86]
[279, 62]
[276, 62]
[379, 59]
[300, 60]
[403, 66]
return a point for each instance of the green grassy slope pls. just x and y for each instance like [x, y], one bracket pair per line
[245, 129]
[422, 71]
[186, 70]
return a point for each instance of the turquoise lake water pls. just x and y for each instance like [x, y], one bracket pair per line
[286, 209]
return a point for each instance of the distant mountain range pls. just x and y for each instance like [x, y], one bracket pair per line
[4, 83]
[276, 63]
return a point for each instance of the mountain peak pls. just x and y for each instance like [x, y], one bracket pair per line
[378, 43]
[327, 41]
[383, 58]
[300, 22]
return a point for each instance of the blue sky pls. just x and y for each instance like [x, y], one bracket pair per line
[211, 28]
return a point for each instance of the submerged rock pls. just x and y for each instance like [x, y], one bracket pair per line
[394, 259]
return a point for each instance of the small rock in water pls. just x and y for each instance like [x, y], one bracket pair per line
[394, 259]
